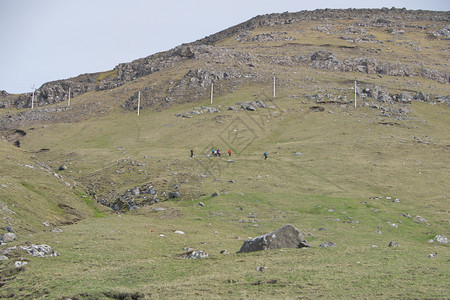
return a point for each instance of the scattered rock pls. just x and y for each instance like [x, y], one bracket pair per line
[394, 244]
[179, 232]
[327, 245]
[173, 195]
[261, 269]
[9, 229]
[56, 230]
[286, 237]
[420, 219]
[8, 237]
[201, 204]
[20, 263]
[224, 252]
[2, 257]
[432, 255]
[159, 209]
[441, 239]
[62, 168]
[317, 108]
[135, 191]
[39, 250]
[194, 254]
[215, 194]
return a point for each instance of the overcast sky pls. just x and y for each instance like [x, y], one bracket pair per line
[46, 40]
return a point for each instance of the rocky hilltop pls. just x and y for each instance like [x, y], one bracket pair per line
[365, 41]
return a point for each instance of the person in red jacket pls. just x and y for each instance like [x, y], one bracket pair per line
[229, 152]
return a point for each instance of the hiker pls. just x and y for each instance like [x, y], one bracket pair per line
[265, 155]
[213, 152]
[219, 152]
[192, 153]
[229, 152]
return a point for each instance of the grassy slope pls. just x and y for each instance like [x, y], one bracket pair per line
[35, 195]
[349, 157]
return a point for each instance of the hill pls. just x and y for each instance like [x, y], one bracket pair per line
[360, 177]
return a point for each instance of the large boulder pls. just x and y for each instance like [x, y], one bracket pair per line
[286, 237]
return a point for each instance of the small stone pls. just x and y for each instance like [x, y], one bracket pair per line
[8, 237]
[19, 264]
[135, 191]
[46, 224]
[57, 230]
[159, 209]
[201, 204]
[432, 255]
[261, 269]
[327, 245]
[62, 168]
[194, 254]
[215, 194]
[179, 232]
[162, 235]
[394, 244]
[2, 257]
[441, 239]
[378, 231]
[224, 252]
[9, 229]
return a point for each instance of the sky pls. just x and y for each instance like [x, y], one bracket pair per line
[47, 40]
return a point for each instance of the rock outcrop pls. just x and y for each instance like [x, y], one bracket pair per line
[286, 237]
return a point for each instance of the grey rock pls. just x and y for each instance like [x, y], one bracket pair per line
[194, 254]
[394, 244]
[62, 168]
[201, 204]
[173, 195]
[441, 239]
[135, 191]
[39, 250]
[20, 263]
[2, 257]
[9, 228]
[286, 237]
[215, 194]
[8, 237]
[249, 105]
[432, 255]
[327, 245]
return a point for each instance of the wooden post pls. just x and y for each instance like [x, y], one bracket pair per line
[212, 92]
[32, 98]
[68, 102]
[274, 87]
[139, 102]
